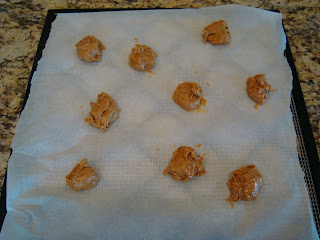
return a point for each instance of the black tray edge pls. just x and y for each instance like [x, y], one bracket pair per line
[305, 125]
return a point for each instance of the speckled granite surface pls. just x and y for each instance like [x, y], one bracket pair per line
[22, 22]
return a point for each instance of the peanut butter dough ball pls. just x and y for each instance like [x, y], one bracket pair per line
[258, 88]
[82, 176]
[185, 164]
[244, 184]
[103, 112]
[142, 58]
[89, 49]
[188, 95]
[216, 33]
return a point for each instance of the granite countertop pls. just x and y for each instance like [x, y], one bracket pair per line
[22, 22]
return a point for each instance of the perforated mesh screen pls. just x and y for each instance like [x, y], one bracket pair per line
[304, 162]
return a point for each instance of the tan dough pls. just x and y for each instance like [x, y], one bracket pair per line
[89, 49]
[185, 164]
[103, 112]
[244, 184]
[216, 33]
[82, 176]
[188, 95]
[142, 58]
[258, 88]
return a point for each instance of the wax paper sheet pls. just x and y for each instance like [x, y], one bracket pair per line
[133, 200]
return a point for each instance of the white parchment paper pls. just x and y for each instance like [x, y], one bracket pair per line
[133, 200]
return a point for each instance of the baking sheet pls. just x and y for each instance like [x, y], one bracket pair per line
[219, 147]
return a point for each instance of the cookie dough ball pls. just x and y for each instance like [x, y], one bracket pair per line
[258, 88]
[185, 164]
[216, 33]
[89, 49]
[244, 184]
[82, 177]
[103, 112]
[142, 58]
[188, 95]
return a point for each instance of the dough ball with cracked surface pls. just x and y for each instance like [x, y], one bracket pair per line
[244, 184]
[216, 33]
[89, 49]
[82, 176]
[258, 88]
[142, 58]
[188, 95]
[185, 164]
[103, 112]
